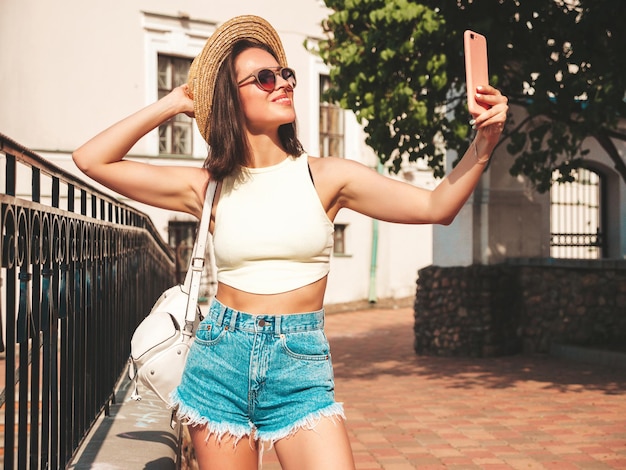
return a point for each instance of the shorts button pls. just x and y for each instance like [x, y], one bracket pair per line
[261, 322]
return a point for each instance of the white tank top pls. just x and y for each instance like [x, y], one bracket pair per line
[271, 232]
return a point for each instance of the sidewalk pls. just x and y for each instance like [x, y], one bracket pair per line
[523, 412]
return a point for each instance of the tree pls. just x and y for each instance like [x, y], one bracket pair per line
[398, 64]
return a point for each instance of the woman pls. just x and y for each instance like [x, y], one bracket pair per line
[259, 371]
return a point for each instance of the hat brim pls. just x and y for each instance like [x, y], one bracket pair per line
[204, 68]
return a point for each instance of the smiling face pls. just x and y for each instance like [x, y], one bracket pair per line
[264, 111]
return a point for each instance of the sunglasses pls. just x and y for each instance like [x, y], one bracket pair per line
[266, 78]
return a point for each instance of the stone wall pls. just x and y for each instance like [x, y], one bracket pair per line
[520, 306]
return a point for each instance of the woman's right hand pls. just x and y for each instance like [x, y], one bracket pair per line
[182, 96]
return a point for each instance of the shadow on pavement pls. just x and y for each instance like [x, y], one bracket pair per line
[388, 351]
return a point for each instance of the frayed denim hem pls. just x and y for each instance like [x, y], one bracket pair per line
[189, 416]
[334, 412]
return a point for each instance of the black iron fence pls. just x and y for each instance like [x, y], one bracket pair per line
[78, 270]
[577, 217]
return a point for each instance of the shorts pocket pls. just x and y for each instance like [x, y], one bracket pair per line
[307, 346]
[209, 333]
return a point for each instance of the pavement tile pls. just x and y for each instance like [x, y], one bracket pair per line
[524, 464]
[398, 466]
[456, 461]
[559, 465]
[483, 461]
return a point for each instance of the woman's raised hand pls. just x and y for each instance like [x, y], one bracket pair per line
[182, 97]
[491, 122]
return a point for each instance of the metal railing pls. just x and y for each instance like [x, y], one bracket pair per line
[79, 270]
[577, 217]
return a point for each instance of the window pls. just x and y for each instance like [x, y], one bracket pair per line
[576, 219]
[182, 235]
[175, 136]
[331, 124]
[339, 238]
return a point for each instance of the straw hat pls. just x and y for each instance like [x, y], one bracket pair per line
[204, 68]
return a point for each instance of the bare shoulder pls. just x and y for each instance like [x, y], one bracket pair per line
[331, 162]
[337, 179]
[335, 168]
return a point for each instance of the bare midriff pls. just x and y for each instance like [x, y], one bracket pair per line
[309, 298]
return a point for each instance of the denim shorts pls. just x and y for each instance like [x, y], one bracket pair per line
[263, 376]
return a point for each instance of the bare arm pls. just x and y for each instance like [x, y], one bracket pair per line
[170, 187]
[354, 186]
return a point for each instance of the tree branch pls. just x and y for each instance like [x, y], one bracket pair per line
[615, 134]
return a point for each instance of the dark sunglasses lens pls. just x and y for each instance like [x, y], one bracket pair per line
[267, 79]
[289, 75]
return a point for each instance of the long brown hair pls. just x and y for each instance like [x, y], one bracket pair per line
[229, 148]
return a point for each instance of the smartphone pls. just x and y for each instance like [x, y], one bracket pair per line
[476, 68]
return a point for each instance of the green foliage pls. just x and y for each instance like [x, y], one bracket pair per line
[387, 65]
[398, 64]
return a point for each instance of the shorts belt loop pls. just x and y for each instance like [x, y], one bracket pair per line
[220, 315]
[233, 320]
[277, 324]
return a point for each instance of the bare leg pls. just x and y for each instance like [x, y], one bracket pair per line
[223, 455]
[324, 447]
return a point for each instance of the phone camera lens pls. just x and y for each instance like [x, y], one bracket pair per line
[472, 36]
